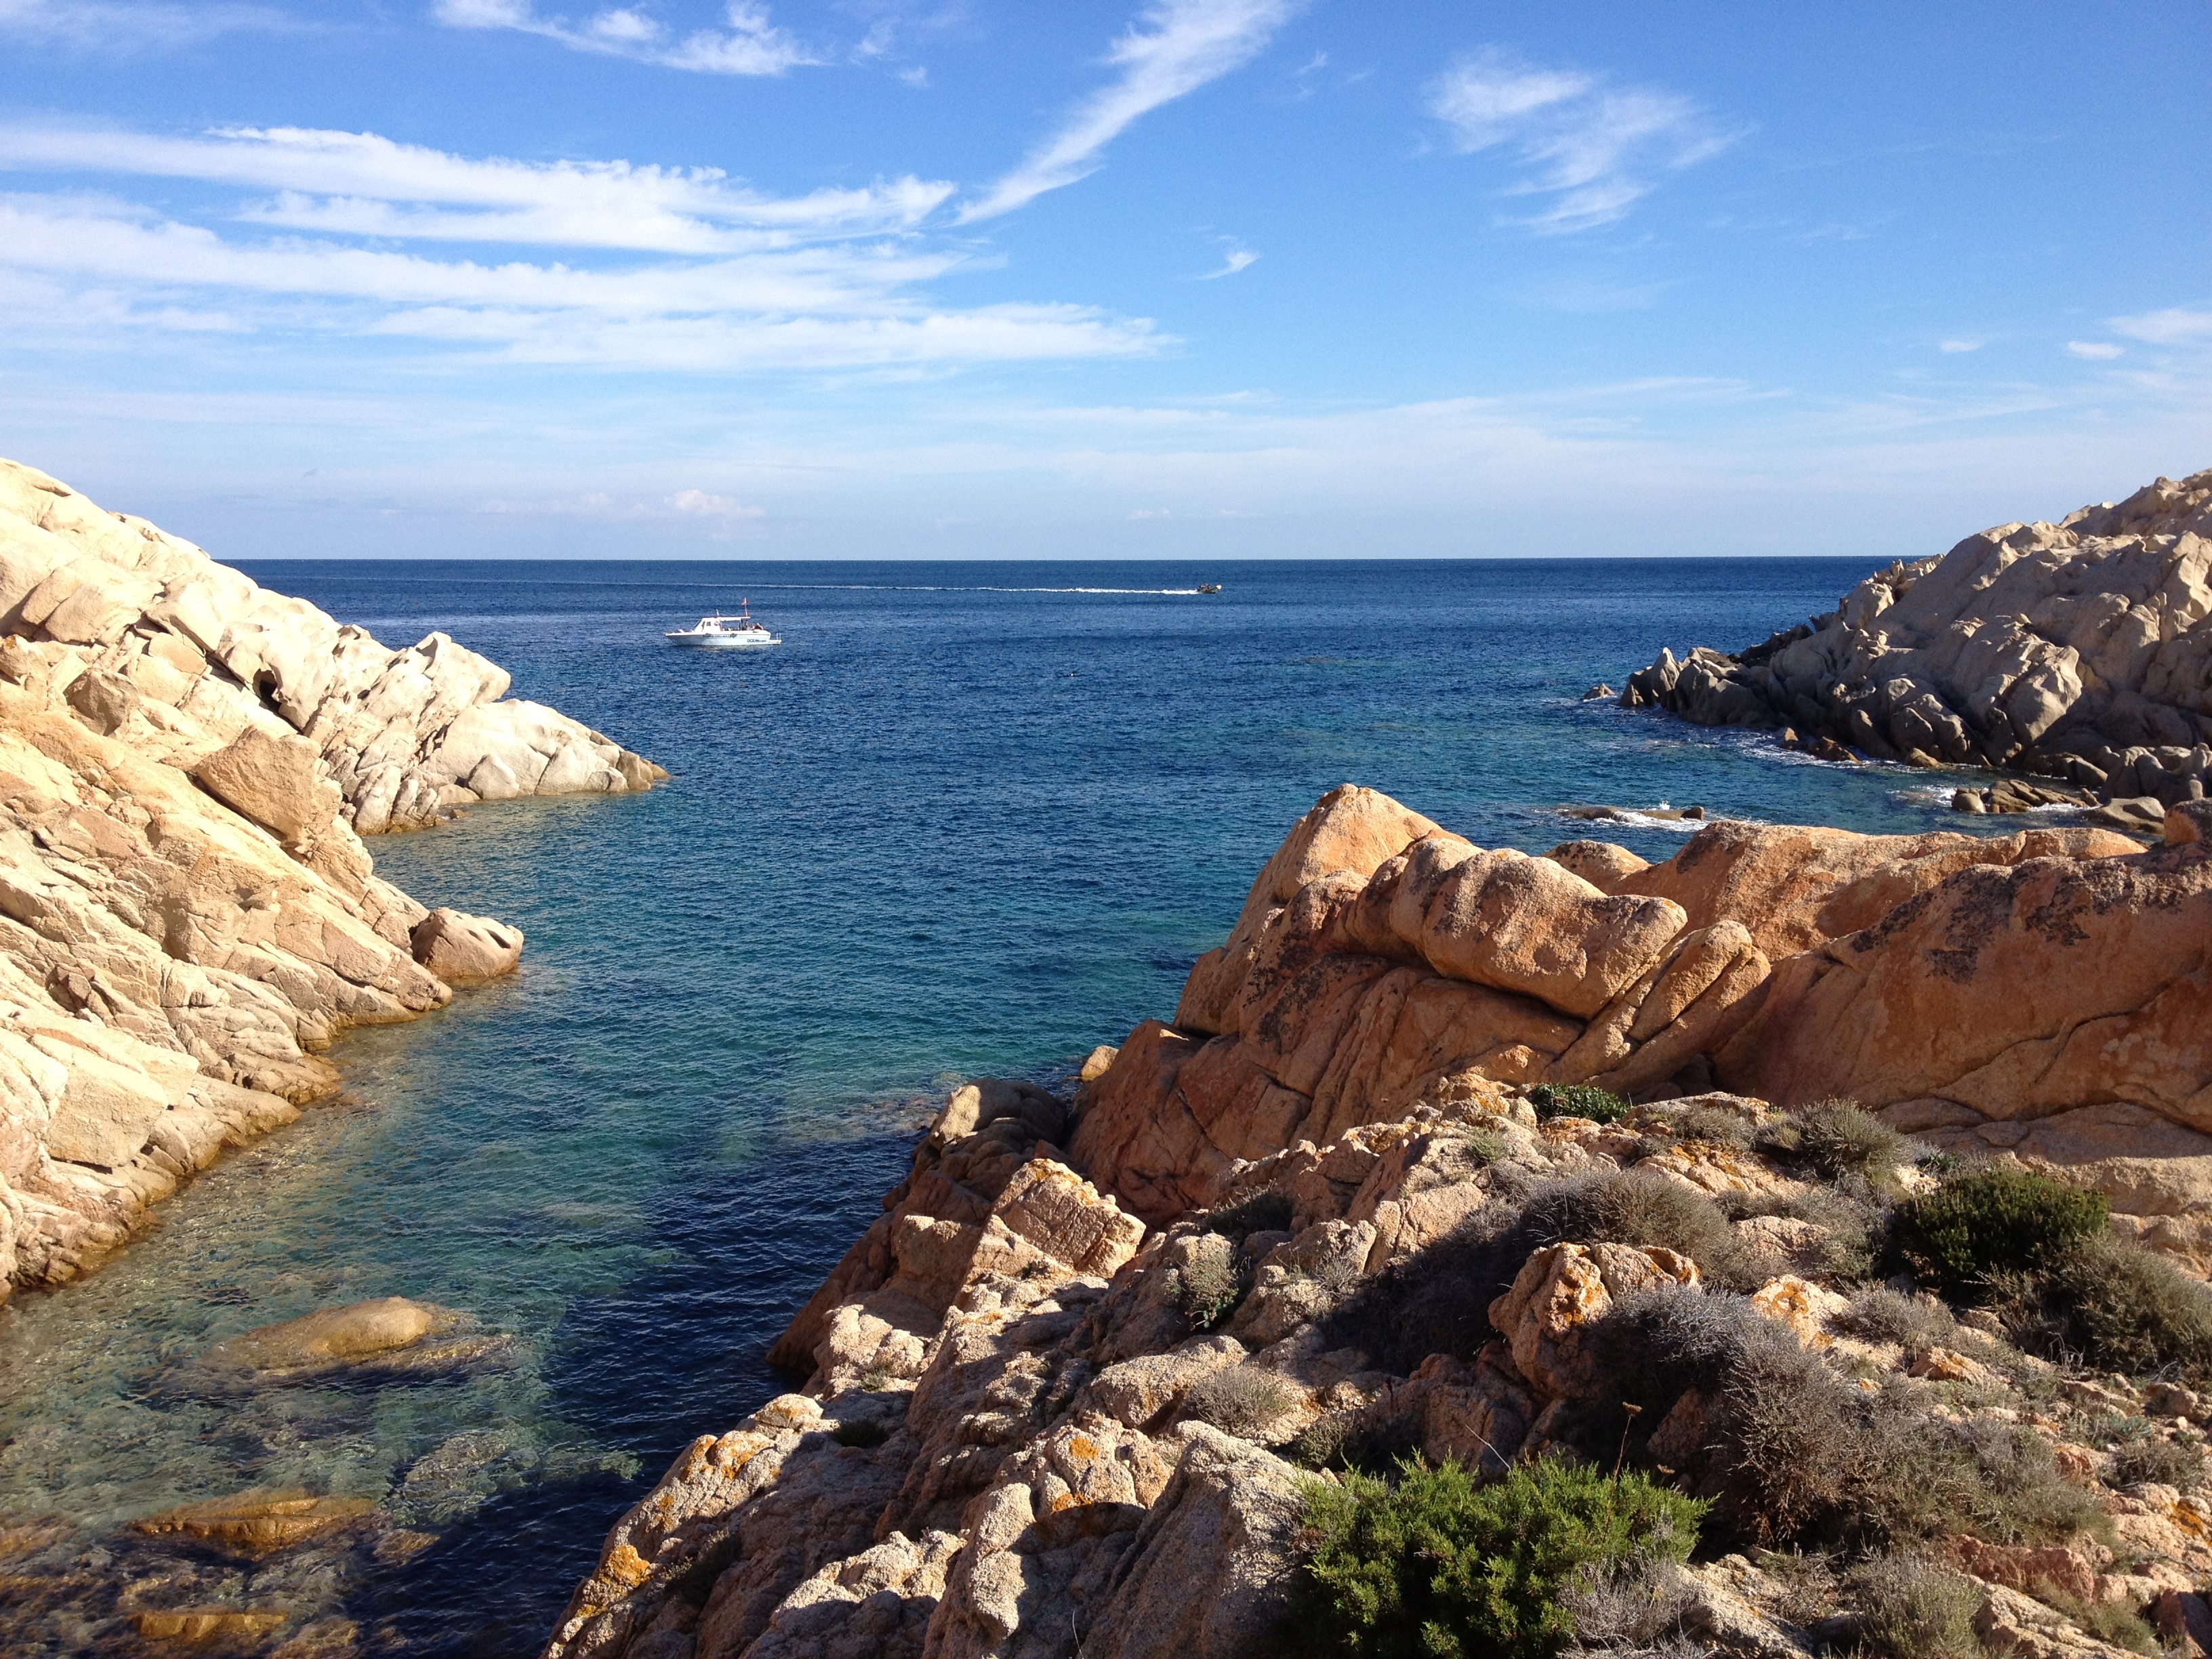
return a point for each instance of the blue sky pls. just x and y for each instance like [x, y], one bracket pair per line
[1207, 278]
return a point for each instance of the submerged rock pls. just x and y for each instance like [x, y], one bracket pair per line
[390, 1338]
[258, 1522]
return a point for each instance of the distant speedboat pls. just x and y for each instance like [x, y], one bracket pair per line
[720, 633]
[1209, 587]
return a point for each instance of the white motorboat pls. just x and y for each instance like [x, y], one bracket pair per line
[720, 633]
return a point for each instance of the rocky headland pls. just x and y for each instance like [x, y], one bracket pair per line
[1794, 1246]
[2079, 651]
[188, 913]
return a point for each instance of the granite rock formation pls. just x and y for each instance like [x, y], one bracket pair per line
[151, 640]
[188, 915]
[2078, 651]
[1020, 1433]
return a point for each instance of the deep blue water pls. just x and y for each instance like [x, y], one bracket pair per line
[966, 818]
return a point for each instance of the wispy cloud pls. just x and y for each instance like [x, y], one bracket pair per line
[2175, 325]
[115, 24]
[1594, 148]
[1174, 48]
[722, 513]
[1237, 259]
[2097, 351]
[715, 277]
[1956, 346]
[751, 45]
[361, 184]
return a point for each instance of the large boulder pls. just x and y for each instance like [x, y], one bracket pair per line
[460, 949]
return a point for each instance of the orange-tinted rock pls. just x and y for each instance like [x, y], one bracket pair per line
[1529, 927]
[2017, 991]
[1796, 887]
[1559, 1290]
[1348, 829]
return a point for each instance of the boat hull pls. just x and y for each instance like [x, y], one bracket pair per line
[720, 642]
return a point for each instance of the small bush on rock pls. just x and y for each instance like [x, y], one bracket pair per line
[1715, 1124]
[1985, 1223]
[1911, 1608]
[2158, 1462]
[1262, 1212]
[1209, 1285]
[1881, 1315]
[1437, 1567]
[1577, 1100]
[860, 1431]
[1357, 1440]
[1838, 1138]
[1645, 1208]
[2111, 1305]
[1239, 1400]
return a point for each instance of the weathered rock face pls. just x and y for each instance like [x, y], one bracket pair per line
[1436, 970]
[187, 915]
[184, 658]
[2079, 651]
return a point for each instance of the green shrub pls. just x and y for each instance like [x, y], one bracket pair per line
[1240, 1400]
[1210, 1284]
[1577, 1100]
[860, 1431]
[2112, 1306]
[1837, 1137]
[1985, 1223]
[1912, 1608]
[1440, 1568]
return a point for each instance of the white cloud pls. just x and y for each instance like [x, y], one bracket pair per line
[699, 504]
[1174, 48]
[2175, 325]
[1956, 346]
[1237, 258]
[751, 45]
[717, 278]
[2096, 351]
[1595, 149]
[363, 183]
[111, 24]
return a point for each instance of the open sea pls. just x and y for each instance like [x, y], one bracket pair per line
[967, 818]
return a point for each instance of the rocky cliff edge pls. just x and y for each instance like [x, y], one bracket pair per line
[1067, 1394]
[187, 913]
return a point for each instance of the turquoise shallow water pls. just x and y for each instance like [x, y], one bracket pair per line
[967, 818]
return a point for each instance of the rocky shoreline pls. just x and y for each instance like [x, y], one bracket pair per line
[1519, 1165]
[2078, 651]
[188, 915]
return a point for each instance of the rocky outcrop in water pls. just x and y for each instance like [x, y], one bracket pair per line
[188, 915]
[1069, 1393]
[2079, 651]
